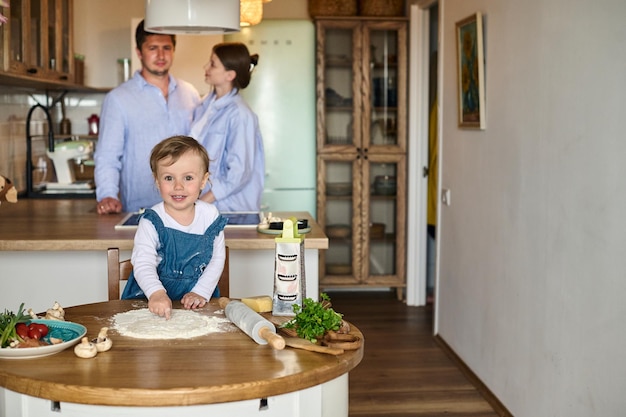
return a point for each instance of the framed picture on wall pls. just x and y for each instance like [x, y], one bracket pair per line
[471, 72]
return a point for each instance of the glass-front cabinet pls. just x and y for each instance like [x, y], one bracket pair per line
[37, 39]
[361, 145]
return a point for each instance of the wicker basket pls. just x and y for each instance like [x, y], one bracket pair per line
[332, 8]
[381, 7]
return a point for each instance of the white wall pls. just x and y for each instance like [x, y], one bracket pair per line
[533, 247]
[103, 33]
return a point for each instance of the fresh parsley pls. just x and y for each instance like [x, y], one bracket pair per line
[314, 319]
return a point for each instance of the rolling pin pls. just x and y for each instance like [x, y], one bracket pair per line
[251, 323]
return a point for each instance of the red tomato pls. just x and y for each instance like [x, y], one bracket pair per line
[37, 330]
[22, 330]
[34, 334]
[43, 329]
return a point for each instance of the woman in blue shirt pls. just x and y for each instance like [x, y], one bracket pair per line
[229, 130]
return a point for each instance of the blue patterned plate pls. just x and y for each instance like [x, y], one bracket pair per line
[69, 332]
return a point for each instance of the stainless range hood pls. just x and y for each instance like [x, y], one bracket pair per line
[192, 16]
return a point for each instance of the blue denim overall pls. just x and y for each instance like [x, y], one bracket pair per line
[183, 258]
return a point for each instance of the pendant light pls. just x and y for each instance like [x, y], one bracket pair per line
[192, 16]
[251, 12]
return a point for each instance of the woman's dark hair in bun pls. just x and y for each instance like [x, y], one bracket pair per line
[236, 57]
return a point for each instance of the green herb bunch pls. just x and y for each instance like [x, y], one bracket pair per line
[314, 319]
[8, 320]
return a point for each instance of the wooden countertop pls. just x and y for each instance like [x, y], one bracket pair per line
[69, 225]
[219, 367]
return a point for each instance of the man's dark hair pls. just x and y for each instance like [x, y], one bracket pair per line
[141, 34]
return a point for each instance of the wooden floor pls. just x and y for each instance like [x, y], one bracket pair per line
[404, 372]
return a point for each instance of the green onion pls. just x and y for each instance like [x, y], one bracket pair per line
[8, 320]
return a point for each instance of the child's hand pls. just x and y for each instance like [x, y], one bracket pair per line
[191, 300]
[159, 303]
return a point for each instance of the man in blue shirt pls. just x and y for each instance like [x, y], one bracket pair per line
[148, 108]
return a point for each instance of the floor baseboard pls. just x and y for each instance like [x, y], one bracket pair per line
[473, 378]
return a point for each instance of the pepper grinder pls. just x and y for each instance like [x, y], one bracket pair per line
[66, 126]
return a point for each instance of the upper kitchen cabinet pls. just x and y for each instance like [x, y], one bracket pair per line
[362, 84]
[37, 50]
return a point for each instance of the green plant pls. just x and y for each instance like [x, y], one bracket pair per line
[8, 321]
[314, 318]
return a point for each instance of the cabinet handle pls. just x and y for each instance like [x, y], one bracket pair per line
[425, 172]
[32, 70]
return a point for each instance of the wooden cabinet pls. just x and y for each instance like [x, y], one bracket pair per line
[361, 150]
[37, 42]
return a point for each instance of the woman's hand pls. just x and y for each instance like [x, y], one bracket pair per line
[160, 304]
[192, 301]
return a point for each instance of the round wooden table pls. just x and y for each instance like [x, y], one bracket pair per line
[221, 367]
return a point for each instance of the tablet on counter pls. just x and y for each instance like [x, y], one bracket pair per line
[235, 219]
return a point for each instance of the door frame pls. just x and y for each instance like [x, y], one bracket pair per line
[417, 187]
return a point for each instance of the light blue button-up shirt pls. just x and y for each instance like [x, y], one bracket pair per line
[229, 130]
[135, 117]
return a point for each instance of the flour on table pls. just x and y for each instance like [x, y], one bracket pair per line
[183, 324]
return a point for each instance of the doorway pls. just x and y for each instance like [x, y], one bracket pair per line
[432, 169]
[423, 176]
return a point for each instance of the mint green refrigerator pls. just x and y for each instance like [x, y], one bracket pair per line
[282, 94]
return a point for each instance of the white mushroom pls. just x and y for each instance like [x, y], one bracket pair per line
[85, 349]
[103, 343]
[32, 314]
[57, 306]
[53, 315]
[56, 312]
[266, 220]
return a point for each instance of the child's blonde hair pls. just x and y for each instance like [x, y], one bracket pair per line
[175, 146]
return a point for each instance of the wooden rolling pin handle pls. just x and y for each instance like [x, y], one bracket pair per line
[223, 301]
[274, 340]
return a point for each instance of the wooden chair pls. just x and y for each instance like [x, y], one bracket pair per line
[120, 271]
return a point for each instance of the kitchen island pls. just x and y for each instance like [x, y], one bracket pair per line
[223, 373]
[55, 250]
